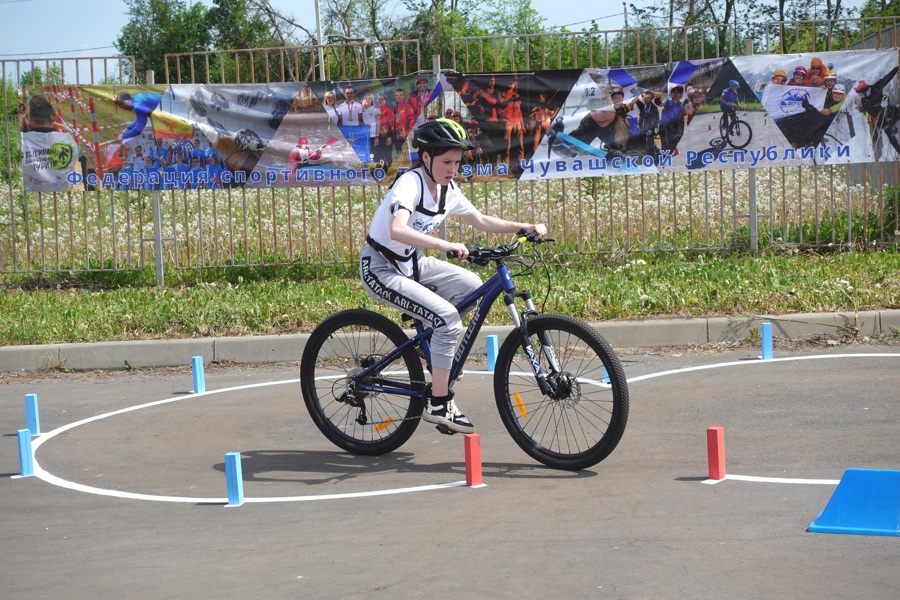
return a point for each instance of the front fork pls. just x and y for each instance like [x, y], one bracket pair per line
[521, 328]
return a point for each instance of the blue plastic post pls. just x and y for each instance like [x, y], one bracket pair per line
[32, 417]
[26, 454]
[234, 479]
[199, 375]
[492, 346]
[766, 334]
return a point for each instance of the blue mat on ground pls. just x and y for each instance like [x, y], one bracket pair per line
[866, 502]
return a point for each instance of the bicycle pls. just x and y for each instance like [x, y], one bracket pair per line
[558, 385]
[736, 132]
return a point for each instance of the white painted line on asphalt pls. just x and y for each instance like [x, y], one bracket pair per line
[756, 362]
[773, 480]
[40, 473]
[739, 363]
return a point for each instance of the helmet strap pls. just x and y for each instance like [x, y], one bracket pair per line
[427, 167]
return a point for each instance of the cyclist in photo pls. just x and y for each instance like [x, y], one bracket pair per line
[395, 272]
[729, 102]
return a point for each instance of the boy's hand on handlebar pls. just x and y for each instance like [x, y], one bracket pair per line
[456, 250]
[538, 228]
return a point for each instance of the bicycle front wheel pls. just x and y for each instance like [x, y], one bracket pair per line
[361, 422]
[582, 420]
[740, 134]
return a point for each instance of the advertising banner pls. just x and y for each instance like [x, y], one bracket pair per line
[713, 114]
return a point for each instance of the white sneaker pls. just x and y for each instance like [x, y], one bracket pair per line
[448, 415]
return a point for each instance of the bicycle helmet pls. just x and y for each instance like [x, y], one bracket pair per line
[733, 83]
[831, 75]
[800, 70]
[441, 133]
[838, 89]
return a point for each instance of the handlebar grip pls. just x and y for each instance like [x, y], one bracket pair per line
[453, 254]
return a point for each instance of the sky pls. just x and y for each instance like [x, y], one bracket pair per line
[69, 28]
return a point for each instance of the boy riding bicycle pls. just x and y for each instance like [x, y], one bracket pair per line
[394, 270]
[728, 102]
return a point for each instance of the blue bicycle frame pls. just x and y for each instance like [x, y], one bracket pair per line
[499, 283]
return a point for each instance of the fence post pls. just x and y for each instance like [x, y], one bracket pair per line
[754, 232]
[157, 239]
[751, 184]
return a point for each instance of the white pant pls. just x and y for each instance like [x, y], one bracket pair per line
[431, 300]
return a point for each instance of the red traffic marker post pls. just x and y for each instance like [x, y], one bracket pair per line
[473, 459]
[715, 447]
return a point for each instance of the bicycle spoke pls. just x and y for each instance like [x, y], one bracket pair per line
[583, 417]
[361, 411]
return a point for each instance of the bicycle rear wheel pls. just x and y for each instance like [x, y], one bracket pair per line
[585, 419]
[369, 423]
[739, 134]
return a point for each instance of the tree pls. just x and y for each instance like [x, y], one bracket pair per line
[38, 77]
[244, 24]
[158, 27]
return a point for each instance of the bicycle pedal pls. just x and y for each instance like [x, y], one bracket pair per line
[444, 429]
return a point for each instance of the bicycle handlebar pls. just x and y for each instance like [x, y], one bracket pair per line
[482, 255]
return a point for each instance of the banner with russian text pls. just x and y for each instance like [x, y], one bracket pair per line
[713, 114]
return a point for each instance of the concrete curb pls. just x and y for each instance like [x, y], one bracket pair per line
[286, 348]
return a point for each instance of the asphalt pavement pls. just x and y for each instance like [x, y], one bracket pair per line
[130, 498]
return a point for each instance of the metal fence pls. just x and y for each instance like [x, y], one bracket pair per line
[348, 60]
[116, 230]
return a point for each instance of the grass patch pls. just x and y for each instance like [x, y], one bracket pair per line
[94, 307]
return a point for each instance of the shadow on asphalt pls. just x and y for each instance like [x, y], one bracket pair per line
[263, 466]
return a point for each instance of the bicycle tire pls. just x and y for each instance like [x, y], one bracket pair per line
[746, 136]
[580, 429]
[369, 423]
[723, 126]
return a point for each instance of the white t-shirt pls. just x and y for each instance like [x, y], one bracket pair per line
[350, 113]
[410, 192]
[370, 118]
[48, 158]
